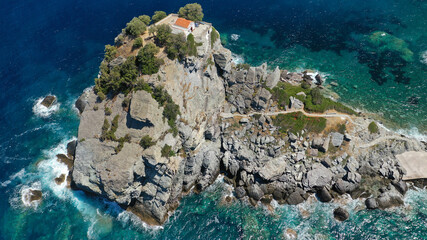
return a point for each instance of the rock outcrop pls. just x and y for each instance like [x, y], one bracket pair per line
[226, 126]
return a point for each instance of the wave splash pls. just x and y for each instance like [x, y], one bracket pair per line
[43, 111]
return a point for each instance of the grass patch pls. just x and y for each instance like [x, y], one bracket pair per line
[295, 122]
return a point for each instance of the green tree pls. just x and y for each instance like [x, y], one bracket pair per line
[176, 46]
[152, 30]
[193, 12]
[110, 53]
[145, 19]
[167, 151]
[191, 45]
[158, 15]
[373, 128]
[163, 33]
[135, 27]
[146, 59]
[137, 43]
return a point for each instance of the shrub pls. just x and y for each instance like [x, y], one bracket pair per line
[110, 53]
[145, 19]
[214, 36]
[95, 107]
[316, 96]
[373, 128]
[279, 95]
[167, 151]
[191, 45]
[158, 15]
[163, 33]
[118, 79]
[146, 142]
[244, 66]
[147, 61]
[135, 27]
[193, 12]
[105, 126]
[125, 103]
[122, 141]
[142, 85]
[115, 123]
[152, 30]
[108, 111]
[341, 128]
[101, 95]
[305, 85]
[137, 43]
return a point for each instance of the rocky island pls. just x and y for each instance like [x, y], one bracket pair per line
[171, 111]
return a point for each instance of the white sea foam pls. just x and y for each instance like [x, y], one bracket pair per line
[413, 132]
[18, 175]
[423, 57]
[26, 193]
[43, 111]
[235, 37]
[237, 59]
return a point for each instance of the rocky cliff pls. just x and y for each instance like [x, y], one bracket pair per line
[228, 124]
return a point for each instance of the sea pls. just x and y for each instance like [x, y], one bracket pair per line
[375, 52]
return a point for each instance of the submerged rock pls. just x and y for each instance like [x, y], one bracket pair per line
[341, 214]
[48, 101]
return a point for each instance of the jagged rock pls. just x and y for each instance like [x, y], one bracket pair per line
[319, 80]
[353, 177]
[48, 101]
[292, 137]
[341, 214]
[324, 148]
[255, 192]
[296, 197]
[273, 169]
[371, 203]
[323, 195]
[400, 186]
[71, 148]
[318, 177]
[295, 103]
[389, 199]
[144, 108]
[342, 186]
[336, 139]
[244, 120]
[317, 142]
[240, 192]
[223, 60]
[273, 78]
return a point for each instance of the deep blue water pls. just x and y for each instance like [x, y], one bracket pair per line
[55, 47]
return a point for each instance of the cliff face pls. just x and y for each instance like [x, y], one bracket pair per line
[219, 132]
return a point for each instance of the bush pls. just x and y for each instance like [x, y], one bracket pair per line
[108, 111]
[95, 107]
[122, 141]
[101, 95]
[193, 12]
[373, 128]
[305, 85]
[135, 27]
[316, 96]
[146, 142]
[147, 61]
[145, 19]
[214, 36]
[142, 85]
[279, 95]
[191, 45]
[137, 43]
[167, 151]
[158, 15]
[110, 53]
[163, 33]
[243, 66]
[295, 122]
[126, 103]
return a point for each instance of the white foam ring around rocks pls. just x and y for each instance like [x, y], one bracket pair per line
[43, 111]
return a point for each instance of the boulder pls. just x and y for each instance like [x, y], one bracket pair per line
[342, 186]
[48, 101]
[389, 199]
[273, 169]
[371, 203]
[71, 148]
[336, 139]
[292, 137]
[240, 192]
[341, 214]
[400, 186]
[295, 103]
[317, 143]
[273, 78]
[144, 108]
[323, 195]
[223, 60]
[319, 80]
[255, 192]
[318, 177]
[296, 197]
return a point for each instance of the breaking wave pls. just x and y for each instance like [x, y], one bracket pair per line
[43, 111]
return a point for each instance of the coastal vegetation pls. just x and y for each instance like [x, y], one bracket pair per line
[193, 12]
[313, 102]
[145, 19]
[137, 43]
[135, 27]
[214, 36]
[167, 151]
[373, 128]
[146, 142]
[147, 61]
[158, 15]
[295, 122]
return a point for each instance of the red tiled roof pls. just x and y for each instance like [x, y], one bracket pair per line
[182, 22]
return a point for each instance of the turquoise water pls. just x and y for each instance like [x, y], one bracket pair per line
[56, 47]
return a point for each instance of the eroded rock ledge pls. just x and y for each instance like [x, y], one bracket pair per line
[229, 125]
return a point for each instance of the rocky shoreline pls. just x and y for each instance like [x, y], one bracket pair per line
[230, 123]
